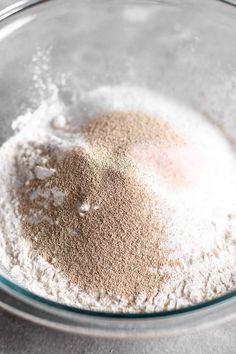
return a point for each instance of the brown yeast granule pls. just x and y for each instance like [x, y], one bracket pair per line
[93, 218]
[118, 131]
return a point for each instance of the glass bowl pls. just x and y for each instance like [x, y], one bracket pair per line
[182, 49]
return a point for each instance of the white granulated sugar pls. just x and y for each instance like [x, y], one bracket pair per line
[200, 213]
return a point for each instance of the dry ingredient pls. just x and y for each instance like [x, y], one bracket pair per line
[117, 132]
[126, 211]
[105, 234]
[98, 236]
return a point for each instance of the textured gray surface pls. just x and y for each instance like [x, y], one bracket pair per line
[21, 337]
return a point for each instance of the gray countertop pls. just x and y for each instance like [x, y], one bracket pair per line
[22, 337]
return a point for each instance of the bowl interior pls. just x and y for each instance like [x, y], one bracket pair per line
[182, 49]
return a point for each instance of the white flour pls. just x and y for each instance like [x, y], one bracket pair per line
[201, 216]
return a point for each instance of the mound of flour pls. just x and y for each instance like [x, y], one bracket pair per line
[201, 214]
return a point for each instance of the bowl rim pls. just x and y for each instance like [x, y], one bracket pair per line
[37, 309]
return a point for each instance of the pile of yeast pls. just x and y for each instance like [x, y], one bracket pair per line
[125, 190]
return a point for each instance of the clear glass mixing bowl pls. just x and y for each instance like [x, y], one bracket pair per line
[183, 49]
